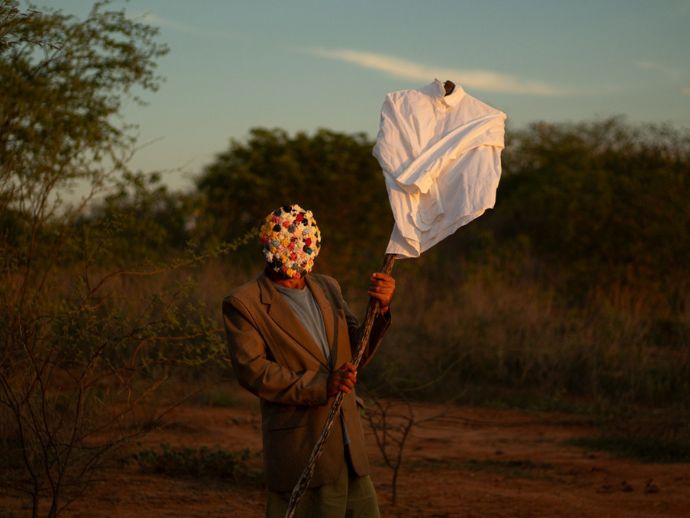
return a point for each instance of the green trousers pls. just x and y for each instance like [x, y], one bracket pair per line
[348, 497]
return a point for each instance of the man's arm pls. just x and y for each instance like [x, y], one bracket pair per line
[381, 325]
[261, 376]
[382, 288]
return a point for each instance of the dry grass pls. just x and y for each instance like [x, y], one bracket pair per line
[487, 337]
[500, 338]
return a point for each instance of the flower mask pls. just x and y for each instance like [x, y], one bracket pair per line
[290, 240]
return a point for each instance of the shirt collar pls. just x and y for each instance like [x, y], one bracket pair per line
[436, 89]
[455, 96]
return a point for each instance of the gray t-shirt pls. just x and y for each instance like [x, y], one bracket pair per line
[303, 304]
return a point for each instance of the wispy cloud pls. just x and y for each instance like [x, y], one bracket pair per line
[480, 79]
[654, 66]
[166, 23]
[159, 21]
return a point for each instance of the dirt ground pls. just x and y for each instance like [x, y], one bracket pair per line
[469, 462]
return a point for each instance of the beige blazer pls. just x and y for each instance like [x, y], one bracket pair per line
[275, 357]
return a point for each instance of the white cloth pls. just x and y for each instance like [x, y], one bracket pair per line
[441, 158]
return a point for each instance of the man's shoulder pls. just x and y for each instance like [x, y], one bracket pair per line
[325, 281]
[329, 286]
[247, 294]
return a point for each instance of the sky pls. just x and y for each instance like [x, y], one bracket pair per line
[302, 65]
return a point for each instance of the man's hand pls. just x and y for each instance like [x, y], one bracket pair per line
[382, 287]
[342, 380]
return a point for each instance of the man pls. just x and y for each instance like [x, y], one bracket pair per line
[291, 336]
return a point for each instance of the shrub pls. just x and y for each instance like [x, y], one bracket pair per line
[203, 462]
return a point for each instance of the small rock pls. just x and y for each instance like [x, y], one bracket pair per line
[605, 488]
[626, 488]
[650, 487]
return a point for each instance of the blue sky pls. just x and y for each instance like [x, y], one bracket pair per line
[302, 65]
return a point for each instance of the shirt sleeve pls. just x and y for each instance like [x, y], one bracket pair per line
[390, 145]
[261, 376]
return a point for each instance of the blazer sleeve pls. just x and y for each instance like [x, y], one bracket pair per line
[381, 325]
[261, 376]
[355, 329]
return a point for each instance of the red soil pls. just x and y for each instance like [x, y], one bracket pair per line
[471, 462]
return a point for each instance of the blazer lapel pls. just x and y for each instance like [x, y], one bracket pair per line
[283, 315]
[330, 318]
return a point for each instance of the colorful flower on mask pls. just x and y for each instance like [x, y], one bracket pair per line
[290, 240]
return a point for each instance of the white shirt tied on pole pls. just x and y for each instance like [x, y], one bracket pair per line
[441, 158]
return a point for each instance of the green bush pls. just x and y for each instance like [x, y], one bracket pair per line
[646, 449]
[200, 462]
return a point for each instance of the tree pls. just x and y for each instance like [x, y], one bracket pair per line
[74, 361]
[599, 205]
[143, 217]
[333, 174]
[392, 428]
[63, 84]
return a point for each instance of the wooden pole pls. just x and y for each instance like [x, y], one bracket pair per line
[305, 477]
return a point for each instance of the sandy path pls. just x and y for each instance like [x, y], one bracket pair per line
[470, 462]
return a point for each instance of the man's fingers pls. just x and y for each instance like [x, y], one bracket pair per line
[345, 378]
[382, 288]
[346, 385]
[383, 297]
[382, 278]
[348, 377]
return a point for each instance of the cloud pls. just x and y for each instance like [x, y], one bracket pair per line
[685, 90]
[654, 66]
[166, 23]
[480, 79]
[159, 21]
